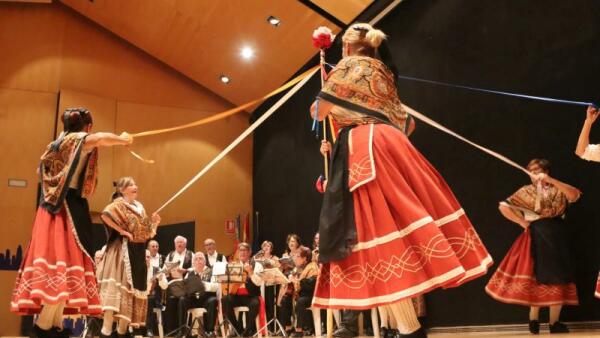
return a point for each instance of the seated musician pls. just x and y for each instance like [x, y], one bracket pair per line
[175, 276]
[284, 312]
[182, 255]
[156, 283]
[303, 278]
[243, 294]
[201, 295]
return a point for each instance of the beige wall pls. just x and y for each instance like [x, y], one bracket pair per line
[48, 49]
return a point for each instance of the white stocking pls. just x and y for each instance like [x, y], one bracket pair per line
[406, 317]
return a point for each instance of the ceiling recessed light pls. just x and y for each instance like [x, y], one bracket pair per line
[273, 21]
[247, 52]
[225, 79]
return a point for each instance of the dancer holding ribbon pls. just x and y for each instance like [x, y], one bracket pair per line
[390, 226]
[57, 274]
[537, 270]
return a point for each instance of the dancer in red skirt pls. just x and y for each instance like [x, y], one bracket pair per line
[537, 270]
[57, 273]
[390, 227]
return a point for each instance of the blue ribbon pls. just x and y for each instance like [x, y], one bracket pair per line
[523, 96]
[315, 124]
[489, 91]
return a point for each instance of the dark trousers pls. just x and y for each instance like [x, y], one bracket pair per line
[252, 302]
[150, 316]
[207, 301]
[285, 311]
[303, 315]
[350, 320]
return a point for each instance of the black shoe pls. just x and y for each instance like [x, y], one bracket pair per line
[38, 332]
[558, 327]
[383, 331]
[343, 332]
[297, 334]
[420, 333]
[248, 333]
[62, 333]
[210, 334]
[534, 326]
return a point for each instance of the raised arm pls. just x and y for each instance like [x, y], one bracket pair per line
[107, 140]
[584, 136]
[570, 192]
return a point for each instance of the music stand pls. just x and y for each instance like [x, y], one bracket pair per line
[185, 329]
[272, 277]
[227, 273]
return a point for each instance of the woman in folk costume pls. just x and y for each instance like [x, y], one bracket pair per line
[57, 273]
[123, 270]
[537, 270]
[589, 152]
[390, 227]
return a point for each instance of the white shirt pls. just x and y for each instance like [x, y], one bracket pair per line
[178, 257]
[155, 261]
[212, 259]
[592, 153]
[255, 278]
[162, 281]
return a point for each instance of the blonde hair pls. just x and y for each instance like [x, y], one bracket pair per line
[121, 184]
[364, 34]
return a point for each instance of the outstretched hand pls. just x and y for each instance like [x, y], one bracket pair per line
[592, 114]
[127, 137]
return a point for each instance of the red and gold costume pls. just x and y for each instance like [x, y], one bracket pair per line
[58, 264]
[537, 270]
[390, 227]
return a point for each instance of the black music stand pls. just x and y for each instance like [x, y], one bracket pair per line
[185, 329]
[233, 274]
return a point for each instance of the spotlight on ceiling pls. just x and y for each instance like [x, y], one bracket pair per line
[225, 79]
[274, 21]
[247, 52]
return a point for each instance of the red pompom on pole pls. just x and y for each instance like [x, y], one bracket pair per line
[322, 37]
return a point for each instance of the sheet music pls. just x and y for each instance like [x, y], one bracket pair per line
[273, 276]
[219, 268]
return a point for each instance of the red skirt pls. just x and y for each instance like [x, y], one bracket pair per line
[412, 234]
[514, 282]
[55, 269]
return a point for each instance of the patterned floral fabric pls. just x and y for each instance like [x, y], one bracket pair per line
[131, 220]
[552, 202]
[358, 84]
[57, 168]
